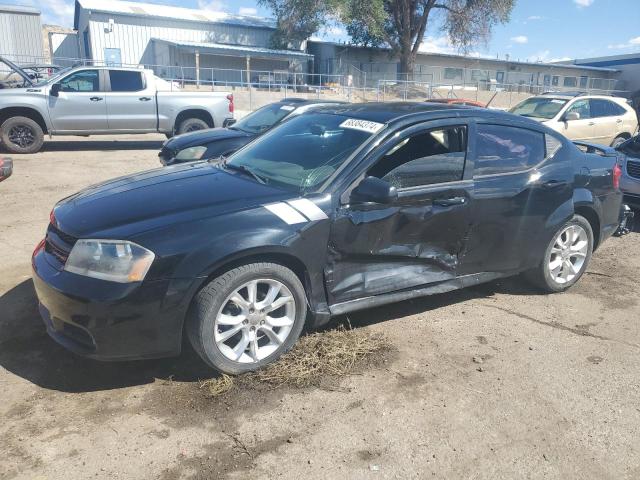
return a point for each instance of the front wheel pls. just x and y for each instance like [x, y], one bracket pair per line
[21, 135]
[247, 317]
[566, 257]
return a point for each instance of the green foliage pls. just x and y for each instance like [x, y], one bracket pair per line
[400, 24]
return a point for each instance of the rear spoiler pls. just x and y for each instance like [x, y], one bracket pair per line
[601, 150]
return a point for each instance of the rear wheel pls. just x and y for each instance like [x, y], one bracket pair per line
[618, 141]
[566, 257]
[21, 135]
[191, 125]
[247, 317]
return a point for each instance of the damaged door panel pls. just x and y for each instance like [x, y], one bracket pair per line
[416, 239]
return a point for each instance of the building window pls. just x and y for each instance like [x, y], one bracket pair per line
[547, 80]
[479, 75]
[584, 81]
[555, 81]
[570, 82]
[453, 73]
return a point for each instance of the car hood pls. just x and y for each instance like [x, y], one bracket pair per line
[128, 206]
[202, 137]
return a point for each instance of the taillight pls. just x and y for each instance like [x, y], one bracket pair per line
[231, 105]
[617, 173]
[39, 247]
[52, 217]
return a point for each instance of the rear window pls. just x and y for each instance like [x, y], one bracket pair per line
[605, 108]
[125, 81]
[501, 149]
[539, 107]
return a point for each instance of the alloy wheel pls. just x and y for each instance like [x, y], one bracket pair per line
[255, 320]
[568, 254]
[22, 136]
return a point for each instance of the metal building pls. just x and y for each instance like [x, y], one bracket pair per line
[182, 40]
[20, 33]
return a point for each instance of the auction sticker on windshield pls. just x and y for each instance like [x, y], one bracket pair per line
[364, 125]
[287, 108]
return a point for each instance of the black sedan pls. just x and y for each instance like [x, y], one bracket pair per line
[338, 209]
[216, 142]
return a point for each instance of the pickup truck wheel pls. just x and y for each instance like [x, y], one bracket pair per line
[21, 135]
[191, 125]
[566, 257]
[247, 317]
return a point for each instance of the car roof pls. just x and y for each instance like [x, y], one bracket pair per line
[384, 112]
[299, 102]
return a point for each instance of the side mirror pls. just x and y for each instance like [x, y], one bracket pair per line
[571, 116]
[373, 190]
[55, 90]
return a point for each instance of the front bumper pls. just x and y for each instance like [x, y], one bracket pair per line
[106, 320]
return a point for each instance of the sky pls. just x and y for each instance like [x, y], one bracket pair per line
[539, 30]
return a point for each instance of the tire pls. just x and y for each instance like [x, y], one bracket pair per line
[21, 135]
[618, 141]
[551, 280]
[220, 329]
[191, 125]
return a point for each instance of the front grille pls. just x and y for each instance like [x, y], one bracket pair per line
[633, 169]
[58, 244]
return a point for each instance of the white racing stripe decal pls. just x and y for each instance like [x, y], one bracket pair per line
[286, 213]
[308, 209]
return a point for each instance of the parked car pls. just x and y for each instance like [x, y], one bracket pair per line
[104, 100]
[12, 76]
[601, 119]
[341, 208]
[457, 101]
[217, 142]
[630, 181]
[41, 71]
[6, 168]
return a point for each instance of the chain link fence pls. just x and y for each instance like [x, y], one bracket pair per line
[254, 88]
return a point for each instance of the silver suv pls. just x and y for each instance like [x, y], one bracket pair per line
[601, 119]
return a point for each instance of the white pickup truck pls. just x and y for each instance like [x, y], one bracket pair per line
[104, 100]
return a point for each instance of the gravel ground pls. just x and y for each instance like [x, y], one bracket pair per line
[492, 382]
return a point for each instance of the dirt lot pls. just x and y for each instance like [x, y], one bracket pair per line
[556, 395]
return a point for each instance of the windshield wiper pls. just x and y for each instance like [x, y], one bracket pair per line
[246, 170]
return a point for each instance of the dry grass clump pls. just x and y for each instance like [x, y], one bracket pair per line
[325, 354]
[217, 386]
[314, 360]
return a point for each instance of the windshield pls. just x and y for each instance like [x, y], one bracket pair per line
[264, 118]
[539, 107]
[304, 151]
[54, 78]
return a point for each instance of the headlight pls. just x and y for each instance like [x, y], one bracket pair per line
[191, 153]
[112, 260]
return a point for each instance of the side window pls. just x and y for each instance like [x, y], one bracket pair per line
[426, 158]
[126, 81]
[502, 149]
[581, 107]
[82, 81]
[606, 108]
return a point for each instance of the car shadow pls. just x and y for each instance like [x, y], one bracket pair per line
[100, 145]
[95, 145]
[27, 351]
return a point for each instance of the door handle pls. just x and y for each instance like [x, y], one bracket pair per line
[144, 99]
[95, 99]
[449, 202]
[591, 124]
[619, 120]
